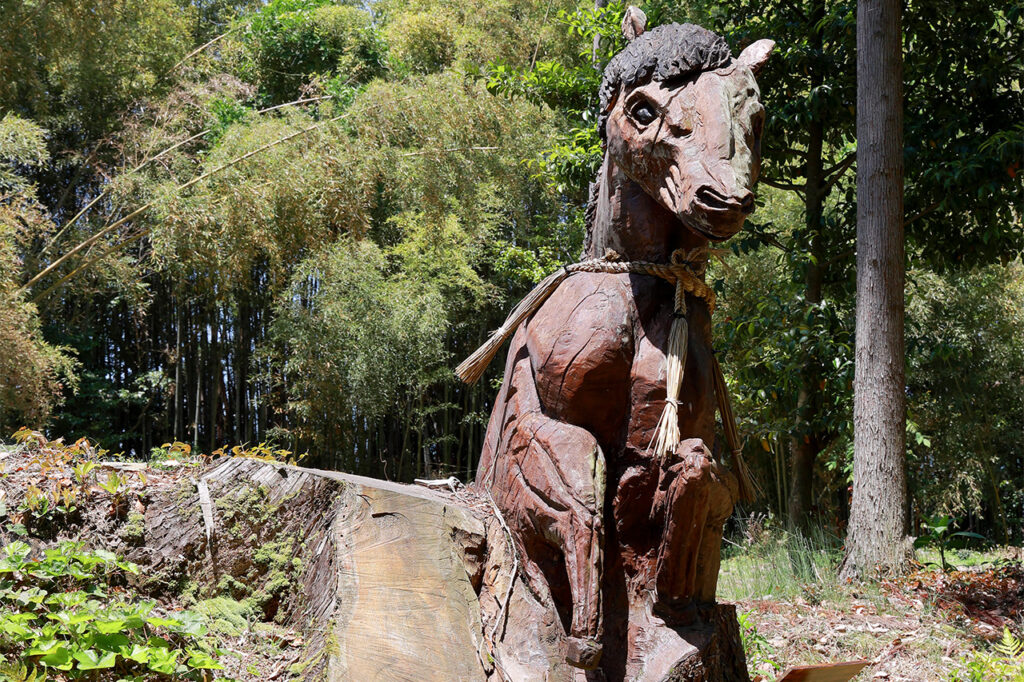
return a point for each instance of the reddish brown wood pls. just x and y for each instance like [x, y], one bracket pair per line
[829, 672]
[626, 544]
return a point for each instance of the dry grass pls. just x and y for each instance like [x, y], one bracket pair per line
[797, 612]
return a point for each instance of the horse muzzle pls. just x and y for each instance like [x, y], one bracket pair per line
[719, 216]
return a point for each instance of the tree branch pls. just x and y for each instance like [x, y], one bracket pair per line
[840, 167]
[922, 213]
[789, 187]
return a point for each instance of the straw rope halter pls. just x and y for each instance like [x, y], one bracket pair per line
[684, 271]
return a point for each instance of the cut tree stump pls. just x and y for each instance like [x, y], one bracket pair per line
[391, 582]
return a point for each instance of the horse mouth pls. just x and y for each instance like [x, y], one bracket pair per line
[714, 202]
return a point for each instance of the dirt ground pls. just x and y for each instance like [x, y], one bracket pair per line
[917, 628]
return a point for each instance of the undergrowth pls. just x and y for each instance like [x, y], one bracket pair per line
[66, 615]
[766, 561]
[1004, 664]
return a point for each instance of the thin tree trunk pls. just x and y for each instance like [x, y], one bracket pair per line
[877, 538]
[806, 444]
[178, 359]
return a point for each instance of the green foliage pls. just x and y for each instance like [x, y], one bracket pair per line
[32, 372]
[422, 42]
[64, 611]
[74, 65]
[289, 43]
[964, 342]
[939, 534]
[384, 336]
[758, 650]
[1006, 664]
[571, 162]
[768, 560]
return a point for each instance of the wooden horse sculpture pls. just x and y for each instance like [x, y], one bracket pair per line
[602, 520]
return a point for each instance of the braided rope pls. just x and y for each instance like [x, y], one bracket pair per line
[684, 271]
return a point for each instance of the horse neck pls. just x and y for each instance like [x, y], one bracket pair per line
[630, 222]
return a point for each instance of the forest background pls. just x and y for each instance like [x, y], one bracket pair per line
[227, 222]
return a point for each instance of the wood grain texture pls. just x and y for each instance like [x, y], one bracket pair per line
[829, 672]
[626, 545]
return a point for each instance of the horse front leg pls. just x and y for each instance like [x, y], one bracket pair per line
[694, 502]
[550, 484]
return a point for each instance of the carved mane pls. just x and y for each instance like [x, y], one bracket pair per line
[668, 52]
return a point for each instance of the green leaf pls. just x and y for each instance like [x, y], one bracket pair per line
[968, 534]
[113, 642]
[163, 661]
[59, 658]
[107, 627]
[202, 661]
[71, 618]
[43, 647]
[90, 659]
[139, 653]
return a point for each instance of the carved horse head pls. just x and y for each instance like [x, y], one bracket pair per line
[681, 120]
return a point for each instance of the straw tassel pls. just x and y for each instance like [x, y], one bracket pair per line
[666, 436]
[472, 368]
[680, 272]
[748, 488]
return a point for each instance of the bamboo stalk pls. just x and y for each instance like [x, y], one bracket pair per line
[150, 160]
[148, 205]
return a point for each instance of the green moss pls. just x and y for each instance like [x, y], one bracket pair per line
[134, 530]
[246, 510]
[227, 616]
[229, 585]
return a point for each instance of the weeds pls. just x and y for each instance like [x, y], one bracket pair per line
[63, 612]
[767, 561]
[759, 652]
[1006, 664]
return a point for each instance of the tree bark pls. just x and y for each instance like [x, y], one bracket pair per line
[876, 542]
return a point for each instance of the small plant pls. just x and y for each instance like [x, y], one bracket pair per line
[172, 454]
[939, 536]
[62, 612]
[262, 451]
[120, 493]
[83, 471]
[1005, 665]
[758, 650]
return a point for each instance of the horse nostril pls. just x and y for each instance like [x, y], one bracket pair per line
[716, 200]
[747, 203]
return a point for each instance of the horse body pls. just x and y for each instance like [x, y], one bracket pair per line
[602, 523]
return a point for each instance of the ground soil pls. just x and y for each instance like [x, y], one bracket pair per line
[916, 628]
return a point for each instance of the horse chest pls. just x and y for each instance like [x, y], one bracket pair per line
[597, 349]
[647, 374]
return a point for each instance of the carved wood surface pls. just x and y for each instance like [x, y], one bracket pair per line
[626, 544]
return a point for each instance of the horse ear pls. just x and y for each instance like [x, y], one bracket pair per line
[634, 23]
[757, 54]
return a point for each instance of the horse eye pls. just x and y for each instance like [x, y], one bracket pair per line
[643, 112]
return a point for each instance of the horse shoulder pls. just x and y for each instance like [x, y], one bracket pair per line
[581, 343]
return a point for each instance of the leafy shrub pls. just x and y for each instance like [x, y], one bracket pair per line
[1005, 665]
[288, 42]
[64, 611]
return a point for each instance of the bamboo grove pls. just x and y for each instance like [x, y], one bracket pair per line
[227, 222]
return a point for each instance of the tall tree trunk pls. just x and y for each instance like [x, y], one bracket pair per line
[805, 444]
[876, 543]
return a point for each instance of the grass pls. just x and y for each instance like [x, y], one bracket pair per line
[794, 610]
[779, 564]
